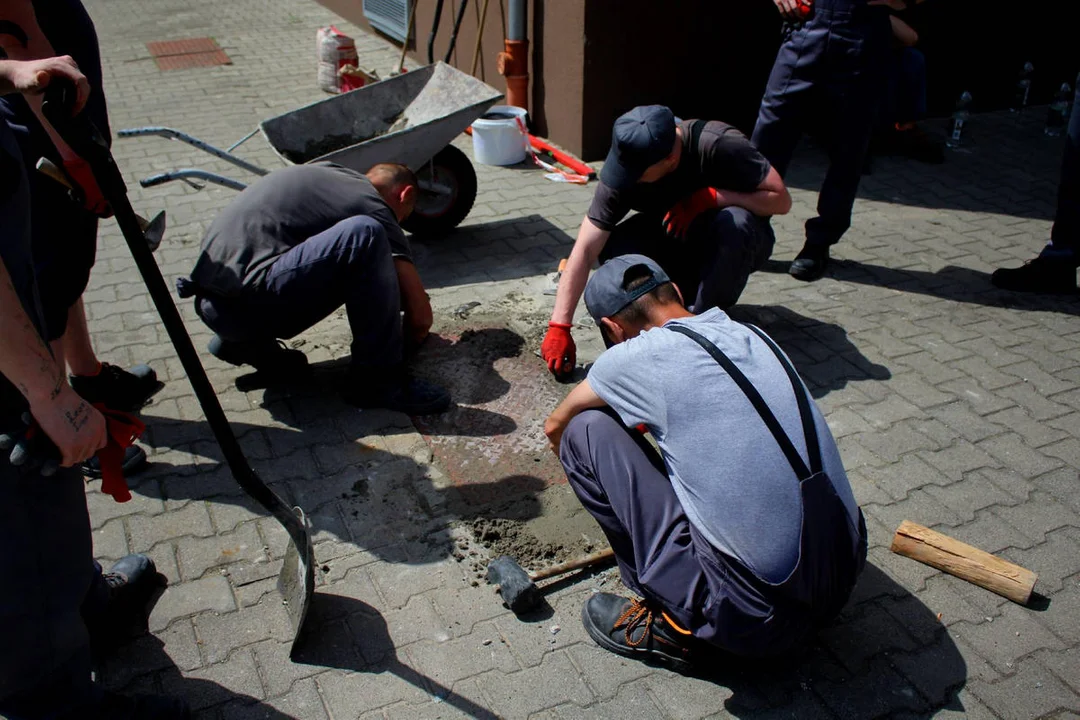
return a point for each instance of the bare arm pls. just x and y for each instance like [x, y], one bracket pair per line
[770, 198]
[580, 398]
[903, 33]
[590, 241]
[77, 429]
[37, 47]
[414, 300]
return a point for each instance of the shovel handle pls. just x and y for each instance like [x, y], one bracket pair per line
[576, 564]
[83, 137]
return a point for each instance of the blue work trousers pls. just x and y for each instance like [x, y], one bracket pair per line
[831, 72]
[1065, 235]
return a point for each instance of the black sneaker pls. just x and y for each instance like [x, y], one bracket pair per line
[810, 263]
[134, 461]
[130, 585]
[409, 395]
[1041, 275]
[634, 629]
[270, 357]
[119, 389]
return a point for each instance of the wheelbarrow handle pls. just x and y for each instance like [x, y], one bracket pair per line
[79, 133]
[194, 142]
[191, 174]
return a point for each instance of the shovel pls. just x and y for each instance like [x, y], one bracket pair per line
[297, 579]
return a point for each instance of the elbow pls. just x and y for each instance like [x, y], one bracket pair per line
[783, 203]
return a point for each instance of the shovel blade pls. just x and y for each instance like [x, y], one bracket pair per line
[296, 583]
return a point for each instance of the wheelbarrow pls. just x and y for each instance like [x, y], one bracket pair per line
[408, 119]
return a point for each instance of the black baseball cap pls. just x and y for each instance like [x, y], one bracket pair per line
[606, 293]
[642, 137]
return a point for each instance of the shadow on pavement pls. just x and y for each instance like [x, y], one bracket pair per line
[144, 667]
[347, 634]
[886, 653]
[1006, 168]
[824, 355]
[483, 252]
[381, 501]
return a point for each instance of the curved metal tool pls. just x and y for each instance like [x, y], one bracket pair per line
[297, 579]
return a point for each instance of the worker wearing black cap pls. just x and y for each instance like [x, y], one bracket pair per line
[833, 67]
[704, 195]
[742, 533]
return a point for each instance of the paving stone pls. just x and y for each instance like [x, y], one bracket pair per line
[215, 684]
[1008, 638]
[399, 582]
[211, 593]
[197, 555]
[448, 661]
[1011, 451]
[191, 520]
[877, 690]
[466, 700]
[961, 418]
[937, 669]
[869, 633]
[348, 694]
[181, 645]
[110, 541]
[1054, 560]
[900, 478]
[554, 682]
[606, 674]
[219, 634]
[1031, 692]
[1039, 515]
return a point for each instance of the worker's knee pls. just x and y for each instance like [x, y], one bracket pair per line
[363, 233]
[587, 428]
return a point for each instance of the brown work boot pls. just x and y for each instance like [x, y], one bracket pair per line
[637, 630]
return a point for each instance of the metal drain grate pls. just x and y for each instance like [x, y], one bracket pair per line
[188, 53]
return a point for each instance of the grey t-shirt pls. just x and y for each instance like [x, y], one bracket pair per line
[280, 211]
[728, 472]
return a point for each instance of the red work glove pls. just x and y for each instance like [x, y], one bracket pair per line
[79, 171]
[678, 219]
[558, 349]
[123, 428]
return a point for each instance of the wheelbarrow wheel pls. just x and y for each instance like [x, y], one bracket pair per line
[447, 194]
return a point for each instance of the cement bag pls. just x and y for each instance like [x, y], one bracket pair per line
[334, 50]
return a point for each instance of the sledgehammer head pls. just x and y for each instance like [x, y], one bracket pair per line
[518, 590]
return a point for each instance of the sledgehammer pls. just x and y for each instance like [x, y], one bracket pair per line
[518, 588]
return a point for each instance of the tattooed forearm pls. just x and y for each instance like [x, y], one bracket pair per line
[78, 417]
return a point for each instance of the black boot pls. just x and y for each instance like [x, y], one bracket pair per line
[269, 357]
[810, 263]
[1041, 275]
[634, 629]
[116, 388]
[134, 461]
[121, 614]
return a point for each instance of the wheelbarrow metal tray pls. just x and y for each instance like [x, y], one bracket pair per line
[404, 119]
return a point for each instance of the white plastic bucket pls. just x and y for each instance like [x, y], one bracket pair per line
[498, 138]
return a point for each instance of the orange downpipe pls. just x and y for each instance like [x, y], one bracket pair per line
[513, 64]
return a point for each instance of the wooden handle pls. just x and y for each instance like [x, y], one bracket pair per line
[594, 559]
[964, 561]
[47, 167]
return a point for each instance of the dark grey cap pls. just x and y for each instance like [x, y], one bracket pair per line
[606, 293]
[642, 137]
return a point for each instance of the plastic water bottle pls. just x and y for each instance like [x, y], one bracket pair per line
[959, 117]
[1058, 113]
[1023, 88]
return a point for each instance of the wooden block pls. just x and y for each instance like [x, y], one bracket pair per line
[964, 561]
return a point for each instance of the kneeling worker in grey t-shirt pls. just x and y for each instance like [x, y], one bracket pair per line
[743, 532]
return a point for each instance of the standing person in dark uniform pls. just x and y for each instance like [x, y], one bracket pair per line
[833, 66]
[703, 195]
[65, 236]
[51, 593]
[1054, 270]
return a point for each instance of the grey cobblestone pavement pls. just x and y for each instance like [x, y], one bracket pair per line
[955, 405]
